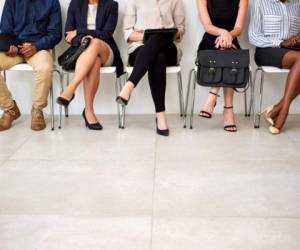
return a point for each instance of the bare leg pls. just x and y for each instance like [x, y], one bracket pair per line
[85, 63]
[290, 61]
[228, 113]
[210, 102]
[91, 84]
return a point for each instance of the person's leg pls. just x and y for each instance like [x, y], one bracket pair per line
[157, 81]
[85, 63]
[42, 64]
[291, 61]
[6, 62]
[143, 61]
[229, 119]
[210, 103]
[91, 84]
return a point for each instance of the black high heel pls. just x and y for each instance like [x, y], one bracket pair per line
[163, 132]
[205, 114]
[93, 126]
[64, 102]
[230, 128]
[122, 101]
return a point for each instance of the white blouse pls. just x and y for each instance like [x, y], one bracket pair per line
[91, 17]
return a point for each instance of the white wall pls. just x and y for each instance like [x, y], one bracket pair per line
[21, 83]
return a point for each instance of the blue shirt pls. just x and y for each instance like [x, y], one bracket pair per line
[36, 21]
[273, 21]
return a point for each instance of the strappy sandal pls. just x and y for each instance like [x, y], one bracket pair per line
[230, 128]
[205, 114]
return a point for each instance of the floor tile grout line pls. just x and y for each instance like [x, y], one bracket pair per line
[153, 194]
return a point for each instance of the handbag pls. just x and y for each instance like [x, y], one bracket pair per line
[223, 68]
[7, 40]
[69, 58]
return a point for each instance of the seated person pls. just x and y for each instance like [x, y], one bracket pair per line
[37, 25]
[98, 20]
[274, 30]
[156, 54]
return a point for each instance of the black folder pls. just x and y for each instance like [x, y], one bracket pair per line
[169, 33]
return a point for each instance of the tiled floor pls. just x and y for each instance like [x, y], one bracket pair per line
[74, 189]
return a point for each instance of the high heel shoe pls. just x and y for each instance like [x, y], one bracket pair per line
[64, 102]
[122, 101]
[205, 114]
[267, 111]
[230, 128]
[163, 132]
[93, 126]
[273, 130]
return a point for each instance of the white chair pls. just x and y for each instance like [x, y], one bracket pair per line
[27, 68]
[170, 70]
[264, 70]
[193, 78]
[103, 71]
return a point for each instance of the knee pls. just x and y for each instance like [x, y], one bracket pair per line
[44, 68]
[96, 43]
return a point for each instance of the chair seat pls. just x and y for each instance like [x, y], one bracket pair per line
[269, 69]
[22, 67]
[170, 70]
[108, 70]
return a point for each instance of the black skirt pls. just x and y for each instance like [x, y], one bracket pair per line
[270, 56]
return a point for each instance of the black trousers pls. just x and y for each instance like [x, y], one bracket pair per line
[154, 56]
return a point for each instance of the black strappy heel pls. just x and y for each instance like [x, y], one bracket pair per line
[228, 128]
[205, 114]
[64, 102]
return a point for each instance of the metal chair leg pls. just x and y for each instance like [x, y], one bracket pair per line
[257, 116]
[193, 102]
[251, 105]
[52, 107]
[246, 103]
[187, 97]
[67, 108]
[180, 92]
[117, 89]
[123, 108]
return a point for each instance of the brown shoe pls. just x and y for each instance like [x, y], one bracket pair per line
[37, 120]
[8, 117]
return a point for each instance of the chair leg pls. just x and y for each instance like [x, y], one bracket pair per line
[257, 116]
[52, 107]
[187, 97]
[67, 108]
[123, 108]
[193, 101]
[246, 103]
[180, 92]
[251, 105]
[60, 107]
[117, 89]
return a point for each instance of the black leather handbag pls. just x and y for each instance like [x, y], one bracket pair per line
[69, 58]
[223, 68]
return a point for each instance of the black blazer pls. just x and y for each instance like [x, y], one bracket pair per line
[106, 22]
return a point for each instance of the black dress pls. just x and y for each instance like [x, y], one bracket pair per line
[223, 14]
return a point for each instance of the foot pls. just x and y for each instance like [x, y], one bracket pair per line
[126, 91]
[209, 105]
[37, 120]
[9, 116]
[91, 117]
[229, 119]
[67, 94]
[162, 123]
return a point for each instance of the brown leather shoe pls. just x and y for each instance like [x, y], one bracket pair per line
[9, 116]
[37, 120]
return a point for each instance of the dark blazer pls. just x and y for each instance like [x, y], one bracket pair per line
[106, 22]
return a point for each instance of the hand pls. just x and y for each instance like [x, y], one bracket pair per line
[28, 50]
[13, 51]
[224, 40]
[291, 42]
[71, 35]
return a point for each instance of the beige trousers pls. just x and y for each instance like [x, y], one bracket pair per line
[42, 64]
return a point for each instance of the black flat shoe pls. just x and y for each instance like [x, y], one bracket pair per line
[64, 102]
[122, 101]
[93, 126]
[163, 132]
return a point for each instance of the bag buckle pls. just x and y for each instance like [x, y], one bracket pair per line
[212, 68]
[234, 70]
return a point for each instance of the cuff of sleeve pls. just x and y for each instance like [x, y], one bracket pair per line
[278, 43]
[127, 34]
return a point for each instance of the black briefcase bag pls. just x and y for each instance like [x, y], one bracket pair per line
[223, 68]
